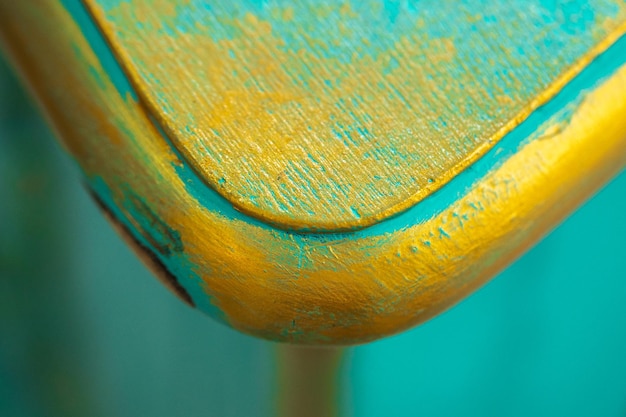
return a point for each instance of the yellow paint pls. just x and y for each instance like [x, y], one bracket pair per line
[347, 291]
[257, 118]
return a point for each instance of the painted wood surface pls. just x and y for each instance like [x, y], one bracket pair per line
[519, 346]
[344, 287]
[331, 115]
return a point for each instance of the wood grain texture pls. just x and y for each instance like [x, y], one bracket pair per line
[315, 288]
[333, 115]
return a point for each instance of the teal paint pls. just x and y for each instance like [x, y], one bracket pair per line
[539, 340]
[99, 46]
[561, 35]
[598, 70]
[535, 341]
[545, 338]
[180, 266]
[567, 21]
[559, 108]
[175, 261]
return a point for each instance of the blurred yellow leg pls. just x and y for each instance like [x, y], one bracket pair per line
[308, 381]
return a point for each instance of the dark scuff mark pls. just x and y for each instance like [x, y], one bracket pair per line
[148, 256]
[162, 237]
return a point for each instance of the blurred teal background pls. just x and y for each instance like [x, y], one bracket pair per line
[86, 331]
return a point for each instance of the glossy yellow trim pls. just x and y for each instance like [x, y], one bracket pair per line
[361, 290]
[296, 288]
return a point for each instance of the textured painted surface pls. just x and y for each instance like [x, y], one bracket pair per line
[331, 115]
[520, 346]
[313, 288]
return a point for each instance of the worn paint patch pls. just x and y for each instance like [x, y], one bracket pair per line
[309, 288]
[333, 115]
[167, 278]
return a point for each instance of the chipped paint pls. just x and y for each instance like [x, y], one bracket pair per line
[333, 115]
[338, 288]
